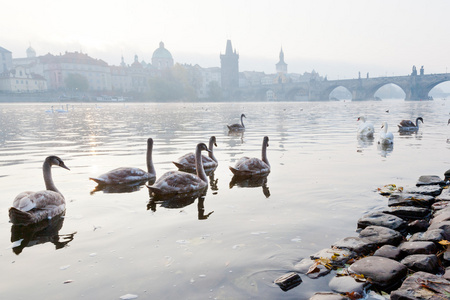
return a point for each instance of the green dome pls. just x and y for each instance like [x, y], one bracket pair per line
[161, 52]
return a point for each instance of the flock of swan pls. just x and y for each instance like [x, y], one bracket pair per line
[366, 129]
[33, 207]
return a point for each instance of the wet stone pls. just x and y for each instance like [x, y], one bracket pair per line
[389, 251]
[446, 257]
[422, 262]
[384, 272]
[447, 274]
[288, 281]
[347, 284]
[328, 296]
[430, 180]
[433, 235]
[430, 190]
[443, 215]
[415, 287]
[439, 205]
[338, 257]
[355, 244]
[417, 226]
[408, 212]
[444, 196]
[381, 235]
[404, 199]
[381, 219]
[411, 248]
[445, 225]
[305, 265]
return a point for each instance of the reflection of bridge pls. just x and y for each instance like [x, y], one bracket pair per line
[416, 87]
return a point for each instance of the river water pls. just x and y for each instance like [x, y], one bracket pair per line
[233, 243]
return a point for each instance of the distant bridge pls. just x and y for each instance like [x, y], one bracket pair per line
[416, 87]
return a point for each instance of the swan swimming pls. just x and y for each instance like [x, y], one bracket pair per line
[365, 129]
[174, 183]
[127, 175]
[33, 207]
[237, 127]
[386, 137]
[253, 166]
[408, 125]
[210, 163]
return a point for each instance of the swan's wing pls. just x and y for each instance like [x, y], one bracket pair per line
[250, 166]
[27, 201]
[122, 176]
[407, 123]
[176, 182]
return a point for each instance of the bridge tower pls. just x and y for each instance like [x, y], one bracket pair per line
[229, 63]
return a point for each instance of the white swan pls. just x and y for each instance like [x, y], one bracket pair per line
[408, 125]
[33, 207]
[253, 166]
[174, 183]
[187, 161]
[365, 129]
[385, 138]
[127, 175]
[237, 127]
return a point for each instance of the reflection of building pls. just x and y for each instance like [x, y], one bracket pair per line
[161, 58]
[5, 60]
[229, 63]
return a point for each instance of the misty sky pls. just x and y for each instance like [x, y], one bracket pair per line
[335, 38]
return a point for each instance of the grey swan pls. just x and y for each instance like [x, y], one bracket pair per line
[253, 166]
[33, 207]
[128, 175]
[174, 183]
[408, 125]
[187, 161]
[237, 127]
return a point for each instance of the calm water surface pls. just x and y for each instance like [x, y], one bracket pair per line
[233, 243]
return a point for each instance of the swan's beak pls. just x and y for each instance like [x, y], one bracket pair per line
[62, 165]
[215, 144]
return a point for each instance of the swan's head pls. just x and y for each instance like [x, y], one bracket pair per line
[56, 161]
[150, 142]
[266, 141]
[362, 119]
[243, 116]
[419, 119]
[385, 126]
[202, 146]
[213, 140]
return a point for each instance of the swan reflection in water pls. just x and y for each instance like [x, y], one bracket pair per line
[180, 201]
[385, 150]
[249, 182]
[40, 233]
[121, 188]
[365, 141]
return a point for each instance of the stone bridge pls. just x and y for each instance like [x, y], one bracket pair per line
[416, 87]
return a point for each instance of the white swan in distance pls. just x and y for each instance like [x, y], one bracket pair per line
[33, 207]
[237, 127]
[128, 175]
[365, 129]
[386, 137]
[175, 183]
[408, 125]
[187, 161]
[246, 166]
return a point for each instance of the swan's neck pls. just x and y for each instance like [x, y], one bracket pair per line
[150, 167]
[242, 121]
[49, 185]
[199, 165]
[264, 154]
[417, 122]
[211, 154]
[385, 127]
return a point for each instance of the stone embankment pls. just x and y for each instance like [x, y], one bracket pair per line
[402, 252]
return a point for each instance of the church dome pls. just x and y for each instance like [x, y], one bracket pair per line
[31, 52]
[161, 52]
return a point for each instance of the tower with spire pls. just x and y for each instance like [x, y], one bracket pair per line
[281, 65]
[229, 63]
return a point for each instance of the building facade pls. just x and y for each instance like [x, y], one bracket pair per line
[21, 80]
[5, 60]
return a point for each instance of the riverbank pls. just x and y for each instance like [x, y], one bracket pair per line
[401, 252]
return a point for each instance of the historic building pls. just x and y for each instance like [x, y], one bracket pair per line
[281, 68]
[5, 60]
[229, 63]
[162, 58]
[21, 80]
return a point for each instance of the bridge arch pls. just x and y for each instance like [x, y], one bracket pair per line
[388, 91]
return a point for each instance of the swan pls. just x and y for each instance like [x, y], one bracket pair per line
[237, 127]
[408, 125]
[187, 161]
[386, 138]
[33, 207]
[127, 175]
[253, 166]
[177, 183]
[365, 128]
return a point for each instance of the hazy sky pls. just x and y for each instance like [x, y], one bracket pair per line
[335, 38]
